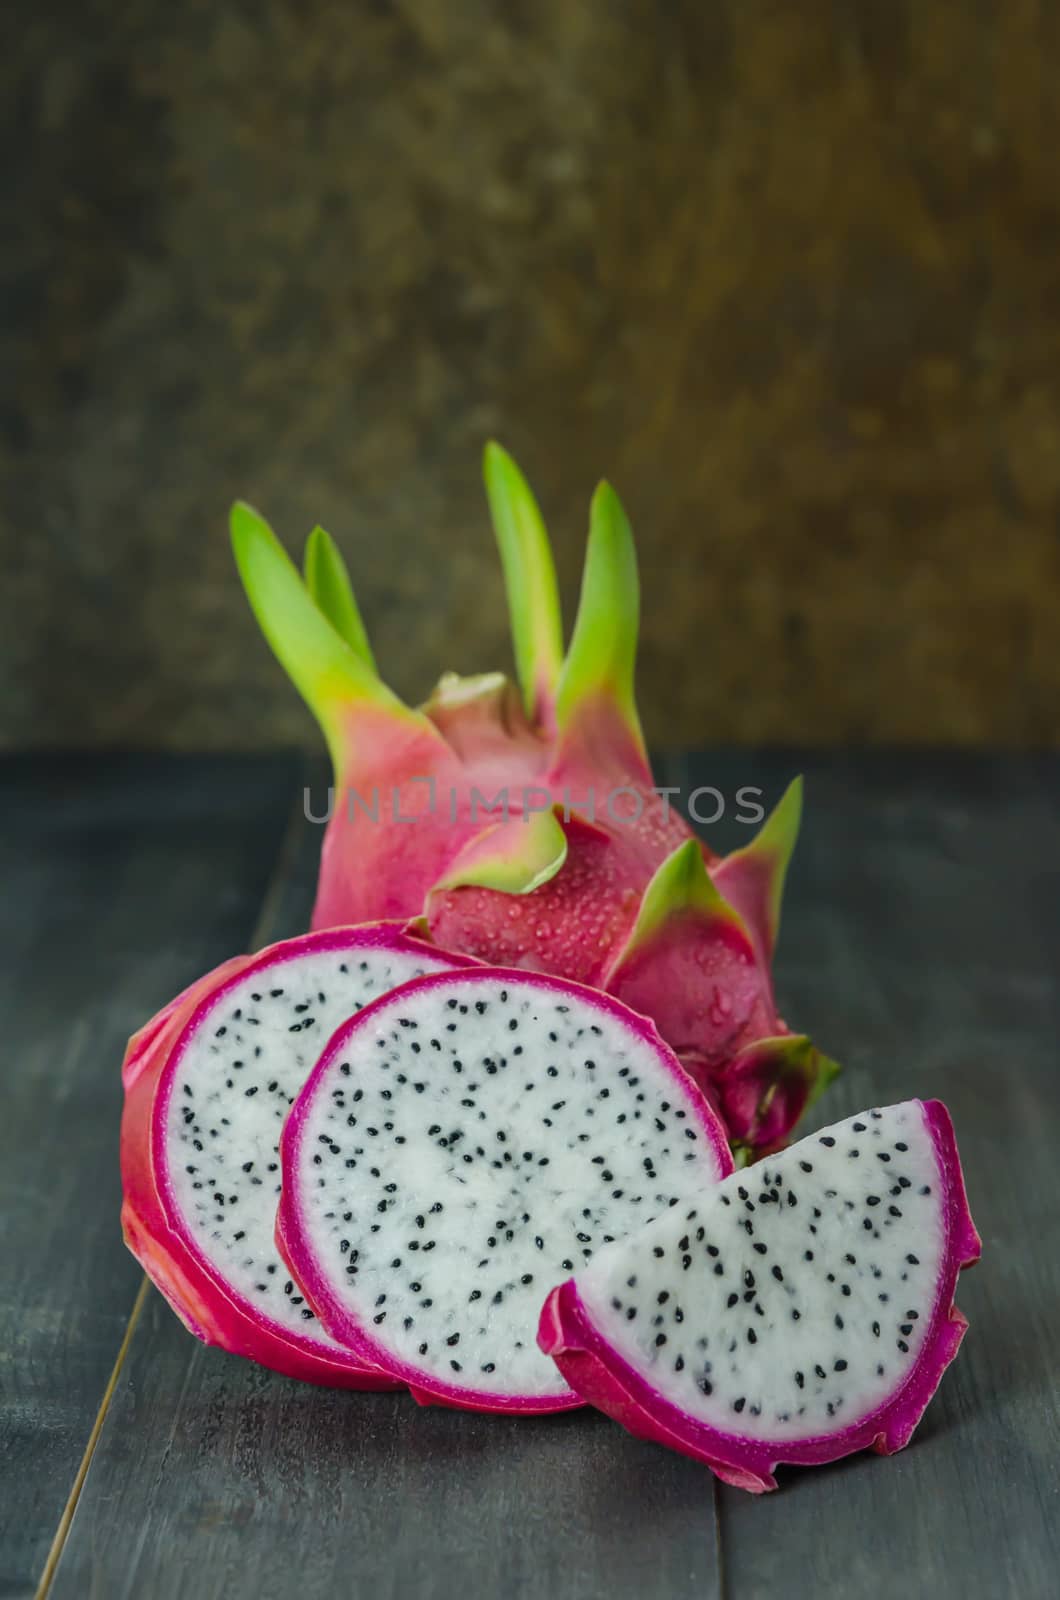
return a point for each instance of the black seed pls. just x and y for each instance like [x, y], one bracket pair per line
[738, 1405]
[454, 1338]
[826, 1138]
[800, 1377]
[778, 1275]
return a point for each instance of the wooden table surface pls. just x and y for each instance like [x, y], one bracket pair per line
[920, 946]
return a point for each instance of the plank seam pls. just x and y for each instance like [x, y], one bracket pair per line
[266, 915]
[70, 1507]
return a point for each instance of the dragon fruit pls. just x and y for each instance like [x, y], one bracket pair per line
[524, 827]
[797, 1312]
[464, 1142]
[208, 1082]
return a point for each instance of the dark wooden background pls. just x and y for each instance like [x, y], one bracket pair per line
[790, 275]
[920, 947]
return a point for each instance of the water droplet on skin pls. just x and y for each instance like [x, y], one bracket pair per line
[720, 1008]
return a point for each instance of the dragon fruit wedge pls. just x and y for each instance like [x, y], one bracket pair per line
[796, 1312]
[208, 1082]
[462, 1144]
[523, 826]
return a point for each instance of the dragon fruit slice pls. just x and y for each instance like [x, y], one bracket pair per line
[795, 1313]
[522, 826]
[208, 1082]
[461, 1144]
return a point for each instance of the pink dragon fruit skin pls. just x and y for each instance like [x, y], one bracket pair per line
[152, 1224]
[588, 873]
[571, 1335]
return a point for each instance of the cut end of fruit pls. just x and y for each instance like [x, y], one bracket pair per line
[764, 1091]
[216, 1072]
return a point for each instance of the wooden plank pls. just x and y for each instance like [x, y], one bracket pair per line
[921, 947]
[123, 877]
[217, 1479]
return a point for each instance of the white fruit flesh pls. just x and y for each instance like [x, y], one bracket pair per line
[234, 1083]
[794, 1298]
[469, 1150]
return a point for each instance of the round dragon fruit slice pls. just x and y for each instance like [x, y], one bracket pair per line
[463, 1143]
[799, 1311]
[208, 1082]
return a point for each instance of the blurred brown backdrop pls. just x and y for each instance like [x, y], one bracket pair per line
[790, 276]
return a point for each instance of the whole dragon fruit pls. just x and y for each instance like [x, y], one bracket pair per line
[525, 828]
